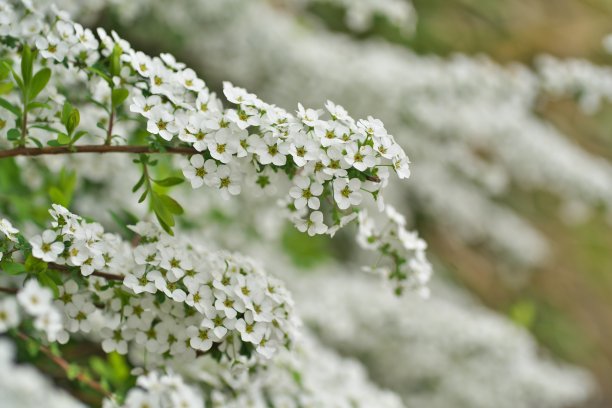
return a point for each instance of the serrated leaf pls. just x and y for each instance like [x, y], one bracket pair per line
[169, 182]
[118, 96]
[10, 107]
[13, 134]
[171, 204]
[39, 81]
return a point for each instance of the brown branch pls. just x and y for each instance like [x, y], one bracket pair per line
[8, 290]
[65, 365]
[65, 268]
[40, 151]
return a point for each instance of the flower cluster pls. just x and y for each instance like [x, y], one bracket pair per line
[8, 236]
[410, 268]
[155, 390]
[331, 159]
[170, 299]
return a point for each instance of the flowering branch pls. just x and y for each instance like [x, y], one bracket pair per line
[51, 150]
[105, 275]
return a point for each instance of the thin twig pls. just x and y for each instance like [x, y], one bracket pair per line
[105, 275]
[65, 365]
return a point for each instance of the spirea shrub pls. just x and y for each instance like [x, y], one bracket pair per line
[159, 303]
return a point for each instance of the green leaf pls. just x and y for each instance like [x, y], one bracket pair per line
[13, 134]
[143, 196]
[26, 65]
[5, 87]
[100, 73]
[78, 135]
[118, 96]
[46, 280]
[38, 105]
[37, 142]
[63, 139]
[39, 82]
[34, 265]
[171, 205]
[57, 196]
[160, 209]
[169, 182]
[5, 70]
[115, 65]
[66, 112]
[10, 107]
[12, 268]
[74, 118]
[138, 184]
[73, 371]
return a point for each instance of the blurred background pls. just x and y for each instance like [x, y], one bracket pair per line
[504, 110]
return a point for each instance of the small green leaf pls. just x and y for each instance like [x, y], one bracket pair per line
[63, 139]
[5, 70]
[45, 280]
[78, 135]
[39, 82]
[115, 65]
[5, 87]
[73, 121]
[100, 73]
[73, 371]
[143, 196]
[26, 65]
[138, 184]
[38, 105]
[57, 196]
[169, 182]
[66, 112]
[160, 209]
[13, 134]
[118, 96]
[10, 107]
[12, 268]
[171, 204]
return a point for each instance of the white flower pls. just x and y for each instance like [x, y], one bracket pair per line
[306, 192]
[137, 281]
[9, 314]
[222, 146]
[314, 224]
[144, 106]
[189, 80]
[44, 247]
[7, 229]
[346, 192]
[200, 338]
[50, 322]
[227, 181]
[361, 158]
[34, 298]
[198, 172]
[52, 47]
[401, 164]
[161, 122]
[250, 330]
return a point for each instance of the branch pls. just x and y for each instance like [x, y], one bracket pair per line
[65, 365]
[106, 275]
[8, 290]
[41, 151]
